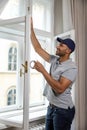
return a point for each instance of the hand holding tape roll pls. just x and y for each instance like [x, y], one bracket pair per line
[32, 64]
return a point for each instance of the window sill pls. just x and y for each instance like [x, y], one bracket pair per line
[2, 126]
[15, 118]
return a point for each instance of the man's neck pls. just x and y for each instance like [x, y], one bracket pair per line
[62, 59]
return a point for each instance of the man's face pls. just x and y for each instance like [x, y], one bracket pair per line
[61, 49]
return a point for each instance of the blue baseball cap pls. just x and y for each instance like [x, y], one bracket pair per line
[69, 42]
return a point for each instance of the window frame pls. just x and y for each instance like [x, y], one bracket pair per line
[41, 33]
[38, 32]
[16, 36]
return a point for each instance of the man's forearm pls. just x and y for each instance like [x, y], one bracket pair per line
[52, 82]
[34, 40]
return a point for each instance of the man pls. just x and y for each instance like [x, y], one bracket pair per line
[62, 75]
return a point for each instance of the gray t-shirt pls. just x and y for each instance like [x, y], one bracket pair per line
[66, 69]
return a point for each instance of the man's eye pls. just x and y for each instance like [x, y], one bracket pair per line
[61, 44]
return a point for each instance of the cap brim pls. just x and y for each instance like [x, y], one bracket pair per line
[60, 40]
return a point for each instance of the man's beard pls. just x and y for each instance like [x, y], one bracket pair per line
[60, 54]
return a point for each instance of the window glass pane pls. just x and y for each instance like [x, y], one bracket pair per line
[37, 81]
[11, 96]
[12, 8]
[41, 12]
[11, 57]
[7, 79]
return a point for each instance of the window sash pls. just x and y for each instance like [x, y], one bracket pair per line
[42, 38]
[40, 32]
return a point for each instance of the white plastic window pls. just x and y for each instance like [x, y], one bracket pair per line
[12, 51]
[12, 8]
[12, 33]
[41, 12]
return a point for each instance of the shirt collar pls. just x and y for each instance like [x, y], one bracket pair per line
[64, 62]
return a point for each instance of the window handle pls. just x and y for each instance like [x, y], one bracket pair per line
[25, 66]
[21, 73]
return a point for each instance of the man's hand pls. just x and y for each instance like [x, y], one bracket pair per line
[39, 67]
[31, 20]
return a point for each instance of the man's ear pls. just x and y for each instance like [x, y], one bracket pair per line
[68, 51]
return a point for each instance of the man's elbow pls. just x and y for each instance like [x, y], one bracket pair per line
[60, 91]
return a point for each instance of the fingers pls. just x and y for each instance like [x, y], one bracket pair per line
[34, 64]
[31, 20]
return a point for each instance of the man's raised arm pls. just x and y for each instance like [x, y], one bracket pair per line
[37, 46]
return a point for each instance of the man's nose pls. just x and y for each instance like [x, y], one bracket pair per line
[57, 46]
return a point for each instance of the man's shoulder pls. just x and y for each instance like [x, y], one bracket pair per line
[71, 63]
[54, 57]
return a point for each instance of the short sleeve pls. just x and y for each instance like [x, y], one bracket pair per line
[70, 74]
[53, 58]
